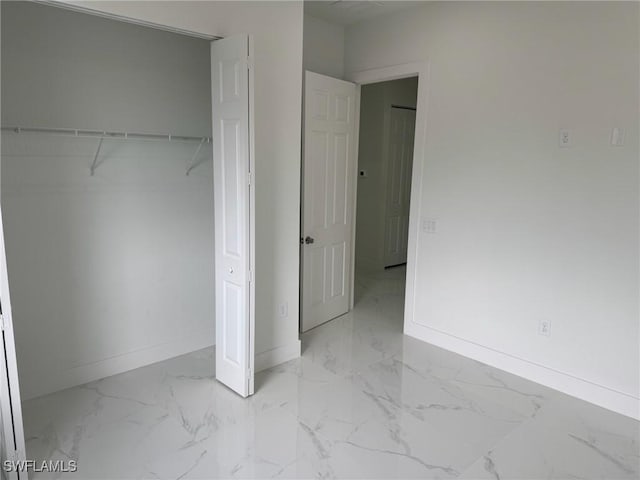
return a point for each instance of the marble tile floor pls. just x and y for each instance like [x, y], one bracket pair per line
[363, 402]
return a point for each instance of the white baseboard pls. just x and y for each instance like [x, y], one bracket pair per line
[119, 364]
[277, 355]
[600, 395]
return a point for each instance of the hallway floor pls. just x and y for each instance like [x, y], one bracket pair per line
[363, 401]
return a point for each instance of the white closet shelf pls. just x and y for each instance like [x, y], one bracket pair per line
[102, 134]
[77, 132]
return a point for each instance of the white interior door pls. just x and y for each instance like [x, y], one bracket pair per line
[232, 96]
[402, 127]
[329, 183]
[12, 448]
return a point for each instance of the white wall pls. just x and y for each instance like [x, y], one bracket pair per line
[277, 31]
[526, 231]
[323, 47]
[376, 100]
[114, 271]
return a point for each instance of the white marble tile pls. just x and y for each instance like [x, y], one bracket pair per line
[568, 438]
[262, 447]
[362, 402]
[350, 343]
[384, 439]
[475, 378]
[464, 415]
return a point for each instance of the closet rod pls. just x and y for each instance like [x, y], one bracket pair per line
[76, 132]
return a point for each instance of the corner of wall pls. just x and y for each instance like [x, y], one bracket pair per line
[278, 355]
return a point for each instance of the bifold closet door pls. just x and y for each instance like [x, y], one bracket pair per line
[12, 449]
[231, 79]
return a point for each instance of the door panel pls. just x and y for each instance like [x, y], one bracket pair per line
[234, 222]
[329, 174]
[337, 270]
[341, 178]
[13, 447]
[399, 167]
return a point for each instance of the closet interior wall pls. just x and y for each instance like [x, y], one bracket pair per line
[112, 271]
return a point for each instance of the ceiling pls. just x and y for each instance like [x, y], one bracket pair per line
[348, 12]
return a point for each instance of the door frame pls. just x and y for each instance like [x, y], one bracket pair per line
[384, 74]
[10, 402]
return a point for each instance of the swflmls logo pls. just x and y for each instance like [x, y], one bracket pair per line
[58, 466]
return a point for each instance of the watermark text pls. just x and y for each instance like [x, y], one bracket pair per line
[25, 466]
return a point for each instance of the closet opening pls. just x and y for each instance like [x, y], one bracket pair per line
[107, 194]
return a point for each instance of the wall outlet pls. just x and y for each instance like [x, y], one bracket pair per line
[429, 225]
[283, 309]
[564, 139]
[544, 328]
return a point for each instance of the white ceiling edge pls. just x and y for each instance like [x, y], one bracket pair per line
[350, 12]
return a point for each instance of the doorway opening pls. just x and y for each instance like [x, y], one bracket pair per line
[385, 166]
[370, 328]
[389, 117]
[385, 161]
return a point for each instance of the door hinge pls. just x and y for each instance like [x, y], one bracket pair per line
[250, 63]
[250, 276]
[2, 326]
[249, 178]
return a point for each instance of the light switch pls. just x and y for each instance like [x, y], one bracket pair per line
[617, 137]
[564, 139]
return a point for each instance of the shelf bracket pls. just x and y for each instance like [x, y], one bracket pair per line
[193, 164]
[95, 163]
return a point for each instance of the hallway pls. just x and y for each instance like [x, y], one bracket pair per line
[363, 401]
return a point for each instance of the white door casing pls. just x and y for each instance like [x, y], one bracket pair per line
[232, 97]
[394, 72]
[399, 161]
[328, 193]
[10, 405]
